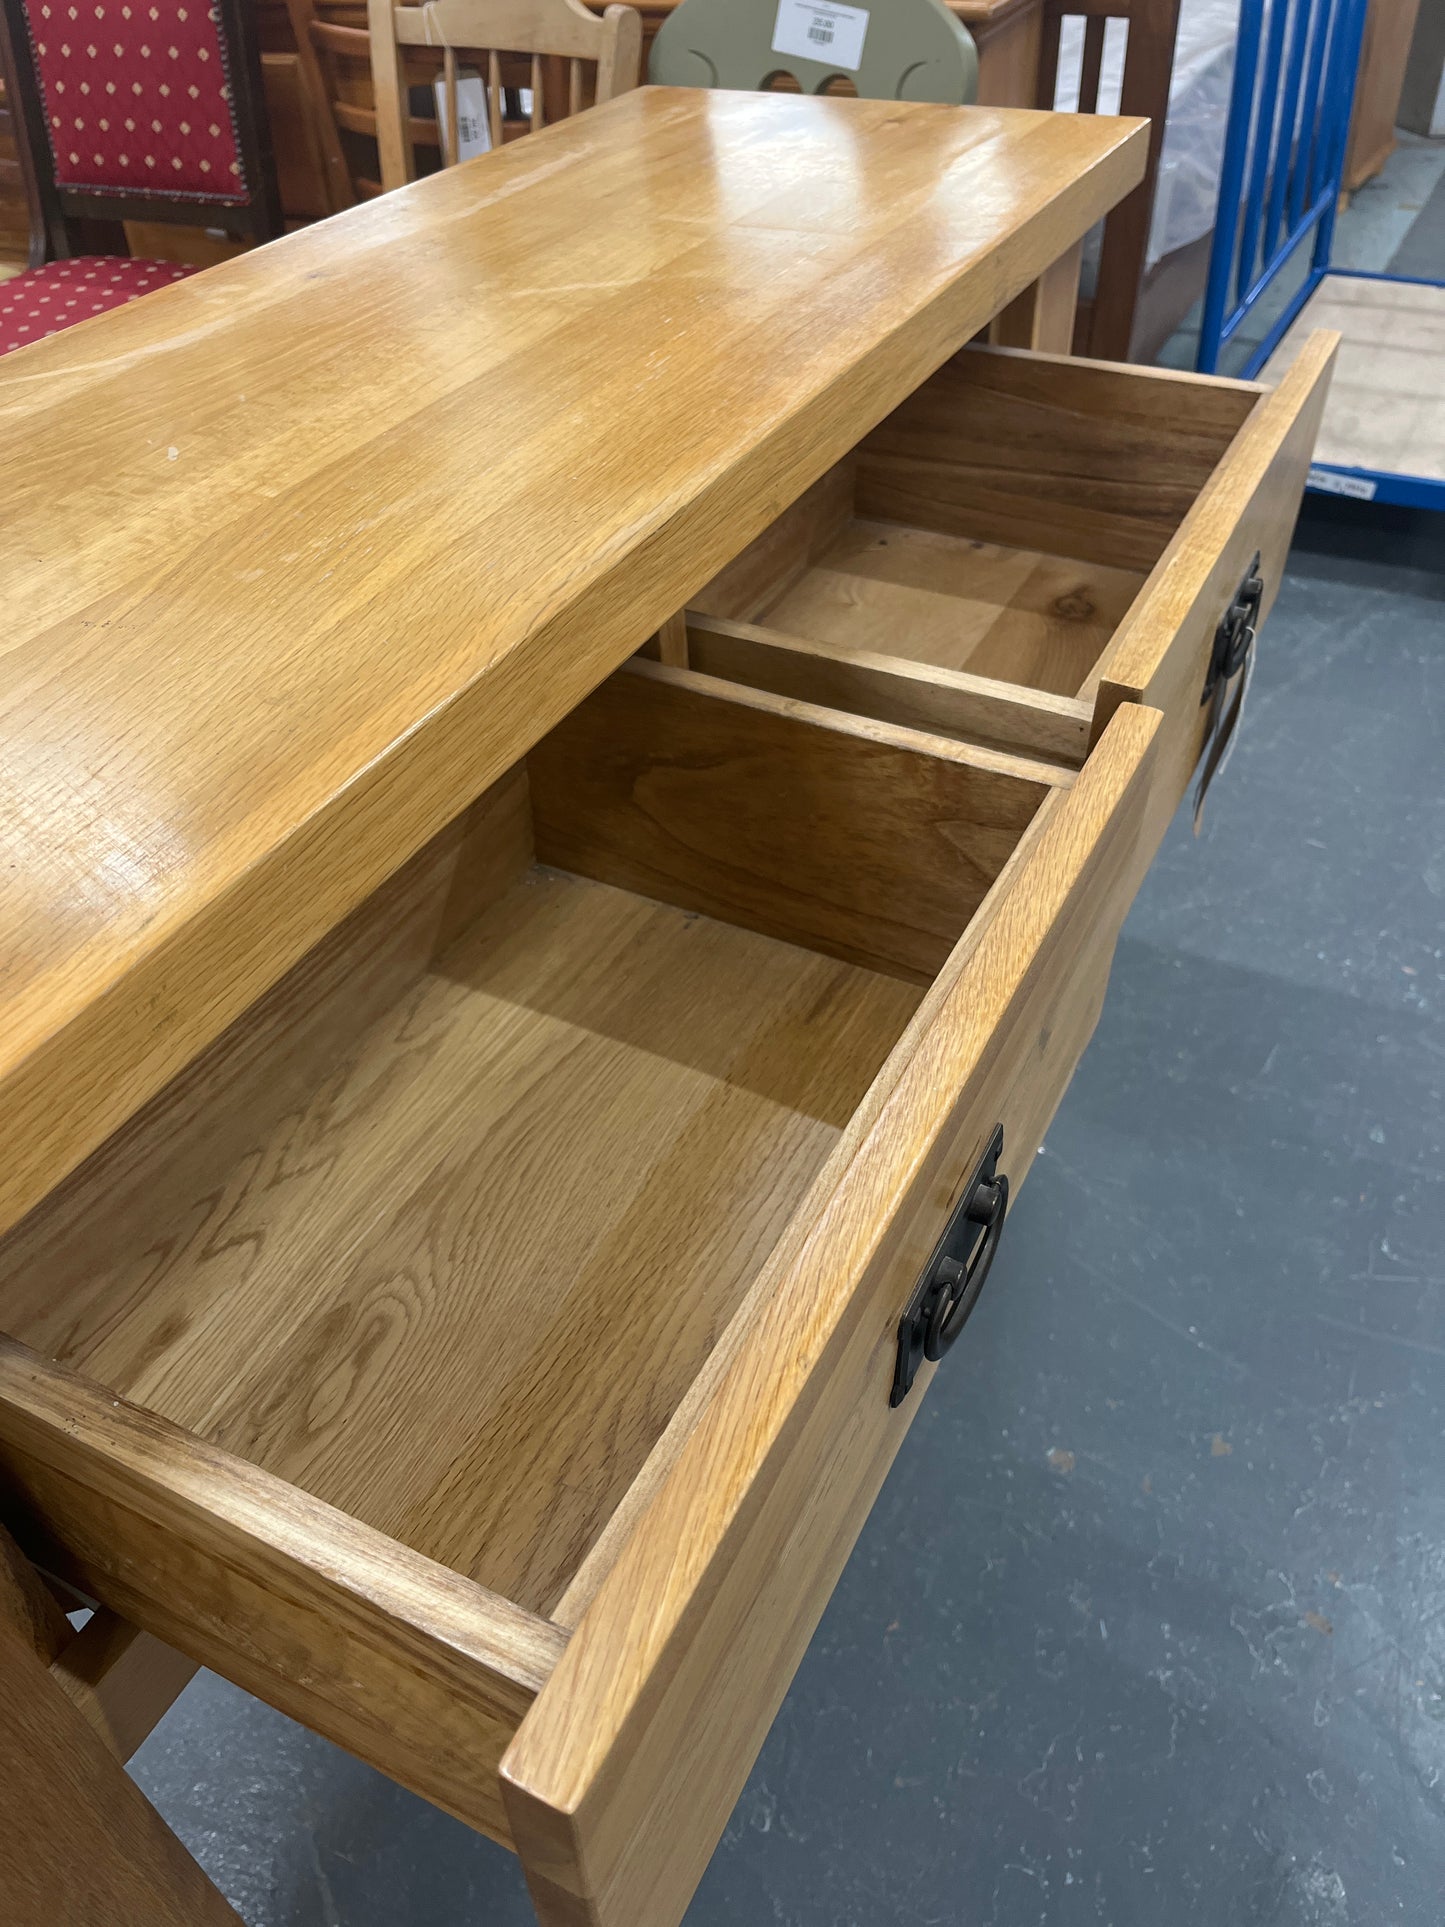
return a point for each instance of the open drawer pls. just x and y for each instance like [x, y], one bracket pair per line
[491, 1342]
[1027, 542]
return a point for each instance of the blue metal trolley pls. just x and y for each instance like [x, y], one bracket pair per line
[1270, 276]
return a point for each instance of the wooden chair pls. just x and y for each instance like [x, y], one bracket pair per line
[335, 56]
[912, 50]
[1106, 323]
[542, 31]
[149, 115]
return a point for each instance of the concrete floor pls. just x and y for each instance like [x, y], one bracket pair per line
[1149, 1623]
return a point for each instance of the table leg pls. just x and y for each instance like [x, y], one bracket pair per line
[80, 1842]
[1042, 317]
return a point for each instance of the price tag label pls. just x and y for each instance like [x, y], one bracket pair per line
[818, 30]
[476, 128]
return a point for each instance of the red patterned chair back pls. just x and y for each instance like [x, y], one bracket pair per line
[142, 110]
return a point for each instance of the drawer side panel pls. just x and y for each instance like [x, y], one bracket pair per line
[624, 1774]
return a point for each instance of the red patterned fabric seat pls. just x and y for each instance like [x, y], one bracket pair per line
[42, 301]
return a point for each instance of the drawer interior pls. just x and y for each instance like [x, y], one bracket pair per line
[442, 1230]
[968, 567]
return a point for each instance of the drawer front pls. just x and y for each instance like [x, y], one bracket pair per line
[410, 1667]
[1161, 655]
[626, 1769]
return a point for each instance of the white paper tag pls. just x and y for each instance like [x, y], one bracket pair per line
[471, 113]
[819, 30]
[1329, 483]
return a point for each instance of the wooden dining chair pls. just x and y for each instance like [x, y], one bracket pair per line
[138, 114]
[600, 58]
[1105, 326]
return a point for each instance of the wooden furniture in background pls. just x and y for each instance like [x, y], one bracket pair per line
[1384, 56]
[1105, 326]
[1005, 32]
[540, 30]
[913, 49]
[190, 145]
[203, 156]
[461, 1180]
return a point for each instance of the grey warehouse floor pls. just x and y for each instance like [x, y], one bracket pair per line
[1148, 1625]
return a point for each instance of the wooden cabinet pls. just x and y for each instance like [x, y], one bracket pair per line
[481, 1100]
[1384, 59]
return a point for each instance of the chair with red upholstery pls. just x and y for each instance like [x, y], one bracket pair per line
[132, 110]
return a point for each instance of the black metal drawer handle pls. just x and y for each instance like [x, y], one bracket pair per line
[1226, 685]
[955, 1275]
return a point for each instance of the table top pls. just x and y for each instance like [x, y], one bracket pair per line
[299, 554]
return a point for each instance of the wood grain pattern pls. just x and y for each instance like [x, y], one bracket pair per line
[134, 1201]
[1072, 458]
[697, 1627]
[1012, 614]
[864, 841]
[81, 1843]
[1250, 504]
[405, 1664]
[372, 1296]
[945, 702]
[793, 538]
[394, 612]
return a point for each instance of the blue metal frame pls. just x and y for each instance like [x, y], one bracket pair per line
[1284, 153]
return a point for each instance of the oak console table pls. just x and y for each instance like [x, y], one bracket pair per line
[572, 764]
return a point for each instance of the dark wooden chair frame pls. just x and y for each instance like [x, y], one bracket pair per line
[76, 221]
[21, 171]
[1106, 324]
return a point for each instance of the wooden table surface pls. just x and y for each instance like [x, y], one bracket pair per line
[300, 553]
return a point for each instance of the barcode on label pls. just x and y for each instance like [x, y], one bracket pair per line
[822, 30]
